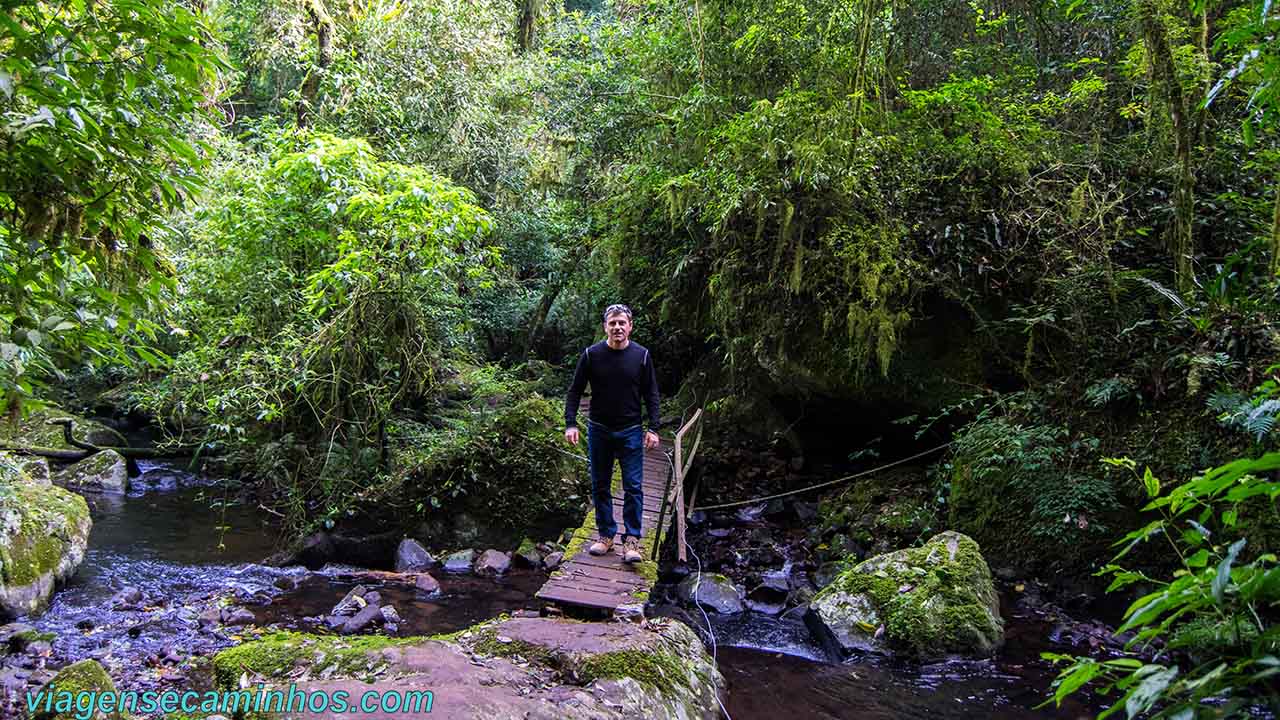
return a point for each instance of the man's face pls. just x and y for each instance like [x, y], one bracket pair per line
[617, 327]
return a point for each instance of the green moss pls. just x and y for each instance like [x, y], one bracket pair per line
[34, 431]
[277, 653]
[931, 599]
[658, 668]
[83, 676]
[26, 637]
[488, 644]
[50, 518]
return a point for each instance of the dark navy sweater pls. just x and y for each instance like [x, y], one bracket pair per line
[619, 379]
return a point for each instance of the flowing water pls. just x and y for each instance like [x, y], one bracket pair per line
[178, 540]
[174, 540]
[772, 669]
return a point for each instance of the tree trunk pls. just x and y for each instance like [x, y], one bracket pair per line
[1165, 76]
[323, 25]
[1275, 233]
[550, 292]
[526, 24]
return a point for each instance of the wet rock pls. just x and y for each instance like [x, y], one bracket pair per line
[528, 555]
[85, 624]
[39, 648]
[763, 556]
[14, 635]
[750, 513]
[713, 592]
[805, 511]
[775, 508]
[697, 518]
[44, 530]
[351, 603]
[552, 561]
[765, 608]
[720, 532]
[389, 614]
[373, 597]
[237, 616]
[772, 591]
[335, 622]
[621, 659]
[460, 561]
[103, 472]
[285, 583]
[827, 572]
[426, 584]
[35, 468]
[926, 602]
[412, 557]
[129, 598]
[313, 551]
[12, 681]
[210, 617]
[80, 677]
[368, 616]
[492, 562]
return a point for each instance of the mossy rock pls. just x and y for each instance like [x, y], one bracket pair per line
[44, 531]
[103, 472]
[925, 602]
[35, 432]
[504, 668]
[276, 654]
[884, 511]
[86, 676]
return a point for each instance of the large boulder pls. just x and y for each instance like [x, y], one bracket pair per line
[713, 592]
[412, 557]
[515, 669]
[103, 472]
[44, 531]
[926, 602]
[86, 676]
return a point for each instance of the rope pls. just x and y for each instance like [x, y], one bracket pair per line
[829, 483]
[697, 582]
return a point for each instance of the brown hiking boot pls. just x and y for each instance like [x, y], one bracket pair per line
[631, 550]
[601, 546]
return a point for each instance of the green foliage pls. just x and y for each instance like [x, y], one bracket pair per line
[322, 293]
[1207, 631]
[1254, 415]
[504, 462]
[1015, 487]
[1109, 390]
[98, 102]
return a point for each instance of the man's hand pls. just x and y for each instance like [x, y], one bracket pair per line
[571, 435]
[650, 439]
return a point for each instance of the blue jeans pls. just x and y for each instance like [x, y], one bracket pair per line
[627, 446]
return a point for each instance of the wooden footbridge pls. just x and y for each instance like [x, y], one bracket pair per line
[605, 582]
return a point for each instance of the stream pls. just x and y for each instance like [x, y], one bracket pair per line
[187, 554]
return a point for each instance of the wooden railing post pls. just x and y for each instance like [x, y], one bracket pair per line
[682, 467]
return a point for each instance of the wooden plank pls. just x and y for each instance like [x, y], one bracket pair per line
[602, 586]
[611, 561]
[585, 598]
[602, 583]
[617, 574]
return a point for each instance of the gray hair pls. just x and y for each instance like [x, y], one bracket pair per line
[616, 309]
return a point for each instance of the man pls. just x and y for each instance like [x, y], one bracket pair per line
[620, 373]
